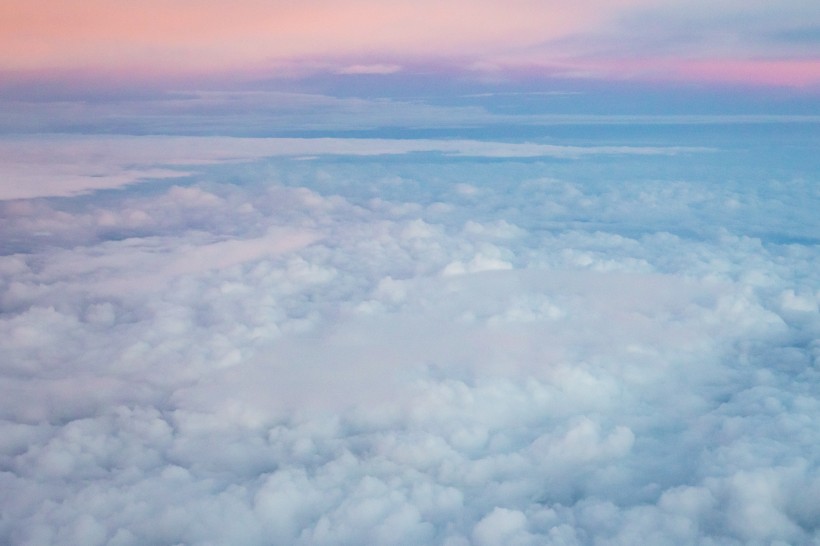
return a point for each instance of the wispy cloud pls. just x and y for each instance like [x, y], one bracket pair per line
[63, 166]
[369, 37]
[369, 69]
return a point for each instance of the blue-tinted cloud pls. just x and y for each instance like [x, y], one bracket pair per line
[495, 342]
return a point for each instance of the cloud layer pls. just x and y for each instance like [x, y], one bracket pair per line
[483, 347]
[68, 165]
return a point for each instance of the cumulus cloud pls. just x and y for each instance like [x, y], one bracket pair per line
[471, 348]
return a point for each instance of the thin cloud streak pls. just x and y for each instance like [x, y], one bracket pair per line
[74, 165]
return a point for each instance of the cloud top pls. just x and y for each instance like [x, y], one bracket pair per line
[449, 350]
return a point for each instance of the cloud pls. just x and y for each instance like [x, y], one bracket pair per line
[746, 45]
[448, 350]
[637, 40]
[423, 106]
[370, 69]
[65, 166]
[223, 36]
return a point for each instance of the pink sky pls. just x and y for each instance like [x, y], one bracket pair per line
[722, 40]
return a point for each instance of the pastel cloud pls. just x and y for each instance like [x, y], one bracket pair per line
[486, 336]
[64, 166]
[47, 33]
[175, 38]
[370, 69]
[798, 73]
[377, 353]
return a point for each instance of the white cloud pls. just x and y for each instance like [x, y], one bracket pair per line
[501, 526]
[289, 355]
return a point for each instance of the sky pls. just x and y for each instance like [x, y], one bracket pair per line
[728, 41]
[428, 273]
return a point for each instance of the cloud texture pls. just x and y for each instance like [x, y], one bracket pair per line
[495, 346]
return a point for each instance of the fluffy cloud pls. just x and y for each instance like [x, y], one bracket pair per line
[453, 351]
